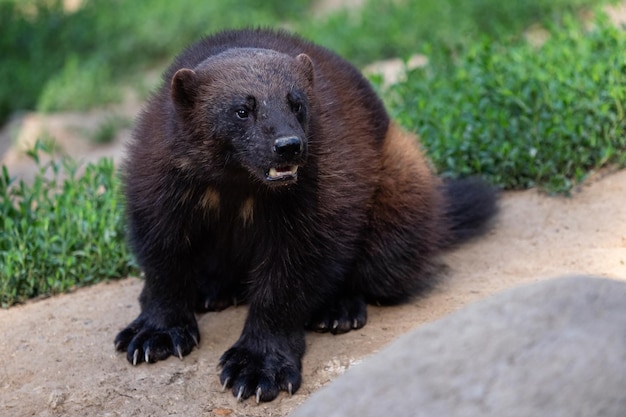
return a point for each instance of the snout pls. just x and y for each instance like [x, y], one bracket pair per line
[288, 147]
[291, 152]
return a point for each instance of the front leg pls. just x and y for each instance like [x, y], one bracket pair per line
[267, 358]
[263, 362]
[166, 325]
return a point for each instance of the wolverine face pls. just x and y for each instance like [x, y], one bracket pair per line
[255, 105]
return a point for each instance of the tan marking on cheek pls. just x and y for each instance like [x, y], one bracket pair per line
[183, 163]
[210, 200]
[186, 196]
[247, 211]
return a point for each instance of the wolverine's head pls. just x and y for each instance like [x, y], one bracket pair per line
[252, 107]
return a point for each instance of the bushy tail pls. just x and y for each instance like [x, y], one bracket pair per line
[470, 205]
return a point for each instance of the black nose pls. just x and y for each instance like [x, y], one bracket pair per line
[288, 146]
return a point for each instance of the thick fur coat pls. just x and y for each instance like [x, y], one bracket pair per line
[266, 170]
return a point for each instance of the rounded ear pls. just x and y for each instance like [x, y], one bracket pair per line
[184, 88]
[305, 62]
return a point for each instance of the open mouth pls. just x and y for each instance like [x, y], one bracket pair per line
[285, 173]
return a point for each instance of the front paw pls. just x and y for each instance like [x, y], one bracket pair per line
[262, 372]
[144, 341]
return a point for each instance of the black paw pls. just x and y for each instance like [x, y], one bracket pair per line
[143, 341]
[215, 297]
[205, 304]
[259, 372]
[341, 316]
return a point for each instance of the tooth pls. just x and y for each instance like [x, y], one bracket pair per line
[282, 172]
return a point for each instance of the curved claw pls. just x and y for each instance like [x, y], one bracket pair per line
[258, 395]
[225, 384]
[135, 357]
[146, 355]
[290, 389]
[240, 395]
[179, 352]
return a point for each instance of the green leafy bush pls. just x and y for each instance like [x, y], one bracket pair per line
[391, 28]
[522, 115]
[62, 231]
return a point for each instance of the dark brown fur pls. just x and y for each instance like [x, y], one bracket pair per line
[362, 219]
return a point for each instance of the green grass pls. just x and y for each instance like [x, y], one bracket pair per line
[524, 116]
[488, 103]
[62, 231]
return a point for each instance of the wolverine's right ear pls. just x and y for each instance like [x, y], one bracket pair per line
[307, 65]
[184, 88]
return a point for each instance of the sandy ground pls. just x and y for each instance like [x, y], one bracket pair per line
[57, 355]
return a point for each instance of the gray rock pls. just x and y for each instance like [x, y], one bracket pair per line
[556, 348]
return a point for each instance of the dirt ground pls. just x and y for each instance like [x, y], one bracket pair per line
[57, 356]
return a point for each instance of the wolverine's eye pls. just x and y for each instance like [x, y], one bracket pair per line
[296, 107]
[242, 114]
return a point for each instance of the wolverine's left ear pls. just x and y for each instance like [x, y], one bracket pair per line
[184, 88]
[307, 65]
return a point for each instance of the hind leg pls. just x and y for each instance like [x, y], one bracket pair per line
[404, 232]
[393, 269]
[406, 228]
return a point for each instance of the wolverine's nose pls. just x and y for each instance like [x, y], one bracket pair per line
[289, 146]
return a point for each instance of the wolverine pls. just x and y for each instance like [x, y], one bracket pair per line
[266, 170]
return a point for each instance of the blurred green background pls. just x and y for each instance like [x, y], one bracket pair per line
[71, 55]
